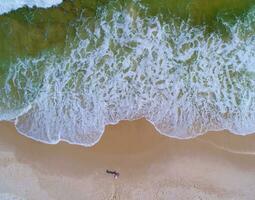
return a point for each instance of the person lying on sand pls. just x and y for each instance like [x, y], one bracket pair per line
[114, 173]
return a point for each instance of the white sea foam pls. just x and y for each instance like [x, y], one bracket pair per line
[174, 75]
[9, 5]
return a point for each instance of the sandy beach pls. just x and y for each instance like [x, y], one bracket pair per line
[151, 166]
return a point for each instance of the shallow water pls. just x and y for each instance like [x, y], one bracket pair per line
[187, 67]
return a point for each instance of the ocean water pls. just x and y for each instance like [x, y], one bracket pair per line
[187, 66]
[9, 5]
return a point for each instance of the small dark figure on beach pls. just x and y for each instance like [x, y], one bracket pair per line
[114, 173]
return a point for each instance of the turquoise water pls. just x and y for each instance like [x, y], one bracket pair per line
[187, 67]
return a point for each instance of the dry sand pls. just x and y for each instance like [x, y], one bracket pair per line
[151, 166]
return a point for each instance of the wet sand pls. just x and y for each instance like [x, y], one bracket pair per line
[151, 166]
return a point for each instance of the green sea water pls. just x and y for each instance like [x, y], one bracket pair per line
[30, 32]
[27, 32]
[36, 41]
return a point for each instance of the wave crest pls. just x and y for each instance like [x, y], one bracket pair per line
[181, 79]
[9, 5]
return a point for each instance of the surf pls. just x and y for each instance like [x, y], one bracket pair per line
[10, 5]
[124, 64]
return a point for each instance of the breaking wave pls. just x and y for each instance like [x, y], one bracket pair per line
[9, 5]
[182, 79]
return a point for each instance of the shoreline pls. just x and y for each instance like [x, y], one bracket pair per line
[151, 166]
[151, 124]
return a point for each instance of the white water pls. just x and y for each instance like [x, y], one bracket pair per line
[9, 5]
[182, 81]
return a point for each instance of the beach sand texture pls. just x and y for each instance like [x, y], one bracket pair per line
[151, 166]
